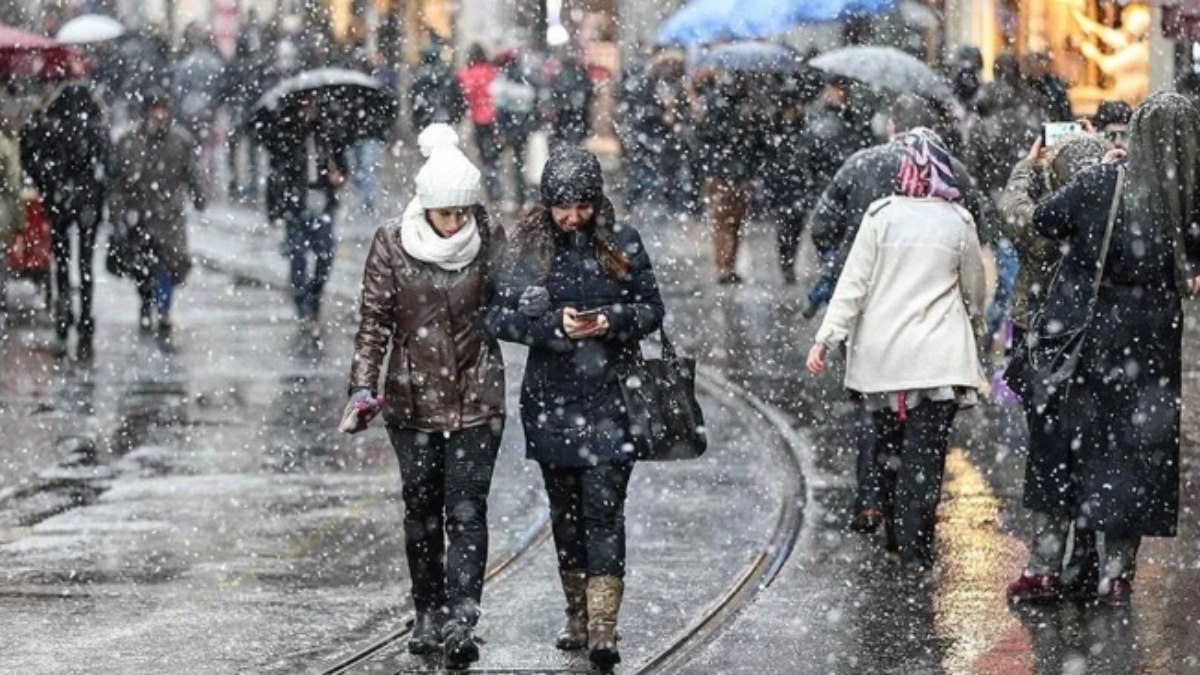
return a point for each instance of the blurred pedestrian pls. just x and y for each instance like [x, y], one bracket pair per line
[1033, 179]
[1132, 249]
[443, 393]
[909, 303]
[788, 172]
[476, 81]
[1112, 121]
[436, 95]
[154, 173]
[571, 101]
[65, 149]
[965, 74]
[1052, 89]
[730, 145]
[12, 206]
[244, 81]
[307, 168]
[515, 95]
[581, 293]
[366, 154]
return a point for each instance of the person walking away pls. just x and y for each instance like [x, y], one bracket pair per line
[436, 96]
[65, 150]
[581, 293]
[427, 284]
[307, 166]
[867, 176]
[571, 100]
[12, 207]
[1122, 406]
[243, 84]
[515, 97]
[788, 176]
[730, 144]
[476, 81]
[154, 172]
[367, 153]
[1050, 87]
[909, 305]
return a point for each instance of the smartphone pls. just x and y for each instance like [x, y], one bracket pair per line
[588, 315]
[1052, 132]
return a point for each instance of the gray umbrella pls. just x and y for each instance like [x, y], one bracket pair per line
[751, 57]
[885, 68]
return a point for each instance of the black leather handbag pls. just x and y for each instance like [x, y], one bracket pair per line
[665, 419]
[1044, 365]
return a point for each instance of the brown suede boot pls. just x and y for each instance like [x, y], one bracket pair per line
[574, 634]
[603, 604]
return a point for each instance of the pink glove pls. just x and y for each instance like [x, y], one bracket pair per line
[360, 410]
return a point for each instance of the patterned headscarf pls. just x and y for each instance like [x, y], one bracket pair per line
[925, 169]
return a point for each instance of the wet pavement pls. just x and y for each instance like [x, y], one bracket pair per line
[190, 507]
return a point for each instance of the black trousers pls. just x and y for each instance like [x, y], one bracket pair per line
[909, 462]
[83, 216]
[446, 477]
[487, 140]
[587, 514]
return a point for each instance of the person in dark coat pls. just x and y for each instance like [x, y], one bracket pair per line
[867, 176]
[436, 94]
[515, 93]
[787, 178]
[964, 74]
[65, 150]
[426, 289]
[1052, 89]
[571, 99]
[581, 293]
[307, 166]
[1119, 477]
[246, 77]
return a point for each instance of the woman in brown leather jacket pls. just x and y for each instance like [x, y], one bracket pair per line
[426, 288]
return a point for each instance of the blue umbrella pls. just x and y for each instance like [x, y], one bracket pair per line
[753, 57]
[703, 21]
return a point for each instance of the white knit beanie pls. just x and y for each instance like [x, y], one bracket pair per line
[448, 179]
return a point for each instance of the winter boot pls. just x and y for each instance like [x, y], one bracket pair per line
[426, 634]
[461, 649]
[574, 634]
[603, 603]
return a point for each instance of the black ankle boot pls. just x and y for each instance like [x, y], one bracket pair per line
[426, 635]
[461, 650]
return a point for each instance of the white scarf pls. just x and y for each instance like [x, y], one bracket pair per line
[422, 242]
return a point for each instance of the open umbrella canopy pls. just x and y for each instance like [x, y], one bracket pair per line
[886, 68]
[24, 54]
[355, 103]
[751, 57]
[90, 28]
[704, 21]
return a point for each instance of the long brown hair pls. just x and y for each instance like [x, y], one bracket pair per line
[534, 236]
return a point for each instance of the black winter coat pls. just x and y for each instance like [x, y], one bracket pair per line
[1123, 410]
[65, 150]
[571, 406]
[870, 175]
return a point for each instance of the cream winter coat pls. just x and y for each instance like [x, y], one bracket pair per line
[910, 300]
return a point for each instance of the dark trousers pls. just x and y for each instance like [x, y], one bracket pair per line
[83, 218]
[488, 142]
[910, 458]
[789, 226]
[304, 235]
[446, 479]
[587, 514]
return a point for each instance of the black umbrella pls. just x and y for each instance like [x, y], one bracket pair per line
[355, 104]
[750, 57]
[885, 68]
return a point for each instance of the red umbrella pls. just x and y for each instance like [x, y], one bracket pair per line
[25, 54]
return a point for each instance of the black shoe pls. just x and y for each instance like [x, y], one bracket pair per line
[731, 279]
[84, 350]
[789, 277]
[810, 310]
[461, 649]
[426, 635]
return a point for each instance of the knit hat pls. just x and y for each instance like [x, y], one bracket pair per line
[447, 179]
[572, 175]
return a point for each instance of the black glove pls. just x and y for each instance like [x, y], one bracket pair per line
[534, 302]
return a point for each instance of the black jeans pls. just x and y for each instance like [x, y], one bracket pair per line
[446, 477]
[84, 216]
[910, 460]
[305, 234]
[587, 514]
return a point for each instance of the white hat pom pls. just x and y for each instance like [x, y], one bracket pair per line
[439, 135]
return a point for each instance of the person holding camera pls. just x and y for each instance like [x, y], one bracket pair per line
[425, 292]
[581, 293]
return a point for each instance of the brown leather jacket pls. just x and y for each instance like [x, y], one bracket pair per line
[444, 373]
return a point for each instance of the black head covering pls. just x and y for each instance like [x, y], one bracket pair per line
[155, 98]
[572, 175]
[1113, 112]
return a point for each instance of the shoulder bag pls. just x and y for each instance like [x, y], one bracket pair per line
[665, 419]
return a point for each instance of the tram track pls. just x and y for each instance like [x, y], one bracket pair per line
[764, 566]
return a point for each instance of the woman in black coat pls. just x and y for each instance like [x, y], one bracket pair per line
[580, 292]
[1120, 475]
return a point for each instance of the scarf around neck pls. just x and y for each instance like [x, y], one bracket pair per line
[421, 241]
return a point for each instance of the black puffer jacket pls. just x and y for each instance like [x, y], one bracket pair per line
[571, 405]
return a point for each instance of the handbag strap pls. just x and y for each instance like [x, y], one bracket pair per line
[668, 349]
[1108, 231]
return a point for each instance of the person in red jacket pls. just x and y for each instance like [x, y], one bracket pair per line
[476, 81]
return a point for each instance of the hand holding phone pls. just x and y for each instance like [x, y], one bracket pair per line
[1052, 132]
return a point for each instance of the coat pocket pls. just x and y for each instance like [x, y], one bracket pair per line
[398, 387]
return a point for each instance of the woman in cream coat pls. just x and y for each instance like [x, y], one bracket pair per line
[909, 307]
